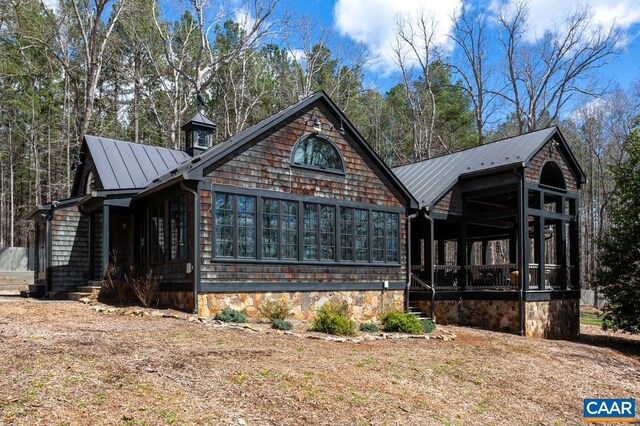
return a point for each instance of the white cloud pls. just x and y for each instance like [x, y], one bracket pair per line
[297, 55]
[372, 22]
[544, 15]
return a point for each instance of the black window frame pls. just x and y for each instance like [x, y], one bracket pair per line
[182, 228]
[367, 210]
[235, 227]
[341, 171]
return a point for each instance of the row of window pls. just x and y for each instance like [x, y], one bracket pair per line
[328, 232]
[168, 238]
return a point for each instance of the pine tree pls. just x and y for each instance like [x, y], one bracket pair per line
[618, 273]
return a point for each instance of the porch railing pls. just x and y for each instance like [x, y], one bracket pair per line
[552, 275]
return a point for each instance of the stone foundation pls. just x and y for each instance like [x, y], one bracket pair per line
[366, 305]
[553, 319]
[182, 300]
[500, 315]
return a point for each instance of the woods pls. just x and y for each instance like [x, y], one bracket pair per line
[129, 70]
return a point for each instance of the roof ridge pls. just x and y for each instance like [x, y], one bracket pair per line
[474, 147]
[134, 143]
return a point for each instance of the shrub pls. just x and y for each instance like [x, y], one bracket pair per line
[369, 326]
[333, 318]
[230, 315]
[275, 309]
[402, 322]
[280, 324]
[428, 325]
[144, 287]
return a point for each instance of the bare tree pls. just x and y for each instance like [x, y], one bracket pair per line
[415, 47]
[470, 36]
[543, 76]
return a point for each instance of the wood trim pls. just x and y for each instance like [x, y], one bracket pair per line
[243, 287]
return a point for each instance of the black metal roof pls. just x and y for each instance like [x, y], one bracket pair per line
[200, 120]
[431, 179]
[193, 168]
[126, 165]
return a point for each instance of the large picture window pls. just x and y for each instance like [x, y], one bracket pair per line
[178, 228]
[289, 230]
[318, 153]
[235, 226]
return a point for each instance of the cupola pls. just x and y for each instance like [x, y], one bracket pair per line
[198, 134]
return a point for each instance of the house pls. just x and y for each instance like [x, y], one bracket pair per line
[297, 206]
[300, 207]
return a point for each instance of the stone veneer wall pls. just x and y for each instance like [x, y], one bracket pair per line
[494, 314]
[366, 305]
[182, 300]
[553, 319]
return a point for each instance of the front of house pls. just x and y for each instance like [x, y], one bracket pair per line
[300, 207]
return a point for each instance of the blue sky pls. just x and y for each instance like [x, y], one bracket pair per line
[371, 21]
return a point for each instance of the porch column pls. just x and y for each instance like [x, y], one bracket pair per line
[462, 255]
[561, 244]
[539, 251]
[106, 234]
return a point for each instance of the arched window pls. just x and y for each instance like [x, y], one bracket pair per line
[551, 175]
[319, 153]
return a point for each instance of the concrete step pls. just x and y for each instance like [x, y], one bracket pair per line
[77, 295]
[89, 288]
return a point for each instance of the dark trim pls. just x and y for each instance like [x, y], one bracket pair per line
[264, 193]
[222, 260]
[530, 296]
[106, 237]
[551, 190]
[486, 192]
[226, 287]
[48, 284]
[306, 136]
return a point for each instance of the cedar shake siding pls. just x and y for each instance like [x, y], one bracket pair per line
[264, 169]
[69, 249]
[550, 152]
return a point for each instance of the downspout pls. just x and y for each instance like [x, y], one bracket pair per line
[523, 223]
[196, 243]
[431, 263]
[406, 295]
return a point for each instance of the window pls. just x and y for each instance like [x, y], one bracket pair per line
[302, 231]
[289, 229]
[317, 152]
[269, 229]
[310, 237]
[235, 213]
[202, 138]
[157, 233]
[178, 228]
[377, 219]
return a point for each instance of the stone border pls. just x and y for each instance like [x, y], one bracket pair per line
[438, 334]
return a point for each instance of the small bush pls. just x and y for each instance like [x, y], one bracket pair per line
[428, 325]
[275, 309]
[369, 326]
[333, 318]
[280, 324]
[402, 322]
[230, 315]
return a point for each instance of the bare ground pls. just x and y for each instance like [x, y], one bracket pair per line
[64, 363]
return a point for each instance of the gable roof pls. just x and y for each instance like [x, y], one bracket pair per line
[194, 168]
[199, 119]
[126, 165]
[432, 179]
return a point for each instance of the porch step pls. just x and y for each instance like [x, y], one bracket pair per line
[77, 295]
[33, 291]
[89, 288]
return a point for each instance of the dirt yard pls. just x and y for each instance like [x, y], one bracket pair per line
[65, 363]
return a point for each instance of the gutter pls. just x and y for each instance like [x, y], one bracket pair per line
[196, 243]
[524, 269]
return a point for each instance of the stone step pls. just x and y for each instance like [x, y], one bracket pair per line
[77, 295]
[89, 288]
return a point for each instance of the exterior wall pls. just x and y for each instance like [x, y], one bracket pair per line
[553, 319]
[69, 249]
[182, 300]
[550, 152]
[451, 203]
[266, 166]
[502, 315]
[96, 249]
[366, 305]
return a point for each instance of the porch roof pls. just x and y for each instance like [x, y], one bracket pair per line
[431, 179]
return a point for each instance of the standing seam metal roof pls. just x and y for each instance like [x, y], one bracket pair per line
[430, 180]
[126, 165]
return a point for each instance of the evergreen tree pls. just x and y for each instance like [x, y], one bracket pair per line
[618, 273]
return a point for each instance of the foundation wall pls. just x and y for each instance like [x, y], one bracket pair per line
[182, 300]
[553, 319]
[366, 305]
